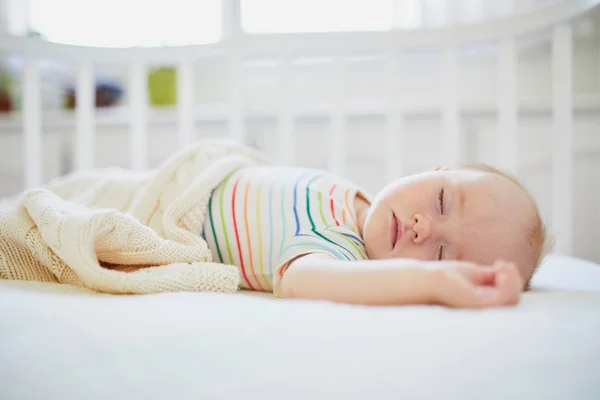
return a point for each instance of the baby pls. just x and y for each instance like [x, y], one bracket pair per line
[460, 237]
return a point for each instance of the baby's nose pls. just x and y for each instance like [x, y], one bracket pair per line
[421, 228]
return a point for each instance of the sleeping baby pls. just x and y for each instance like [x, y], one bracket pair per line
[461, 237]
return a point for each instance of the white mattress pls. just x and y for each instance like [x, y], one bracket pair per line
[60, 342]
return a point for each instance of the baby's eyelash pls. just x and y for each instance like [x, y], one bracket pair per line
[441, 253]
[441, 200]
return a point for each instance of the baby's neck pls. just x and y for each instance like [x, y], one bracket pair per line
[361, 207]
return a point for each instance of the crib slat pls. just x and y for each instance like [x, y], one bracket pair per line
[457, 11]
[454, 140]
[562, 138]
[338, 120]
[507, 135]
[394, 135]
[487, 9]
[231, 18]
[85, 104]
[237, 131]
[185, 103]
[32, 124]
[285, 151]
[138, 144]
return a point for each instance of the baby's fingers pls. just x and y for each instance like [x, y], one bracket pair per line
[508, 283]
[479, 287]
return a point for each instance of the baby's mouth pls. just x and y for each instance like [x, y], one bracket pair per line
[395, 230]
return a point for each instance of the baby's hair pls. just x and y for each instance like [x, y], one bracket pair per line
[537, 236]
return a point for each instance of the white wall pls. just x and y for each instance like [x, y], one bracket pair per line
[313, 86]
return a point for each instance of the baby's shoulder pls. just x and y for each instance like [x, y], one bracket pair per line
[296, 178]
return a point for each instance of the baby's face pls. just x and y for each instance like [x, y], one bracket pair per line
[456, 214]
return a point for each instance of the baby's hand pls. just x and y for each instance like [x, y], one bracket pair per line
[472, 286]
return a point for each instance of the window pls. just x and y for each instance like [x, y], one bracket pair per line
[279, 16]
[273, 16]
[124, 23]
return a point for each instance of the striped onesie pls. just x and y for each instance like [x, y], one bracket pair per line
[260, 218]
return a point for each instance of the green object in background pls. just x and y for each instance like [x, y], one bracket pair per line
[162, 86]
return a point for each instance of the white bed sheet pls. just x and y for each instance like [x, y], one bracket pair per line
[60, 342]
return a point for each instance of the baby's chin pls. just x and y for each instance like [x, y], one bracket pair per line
[375, 251]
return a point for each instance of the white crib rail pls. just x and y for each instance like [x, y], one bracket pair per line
[138, 146]
[503, 32]
[286, 115]
[395, 154]
[84, 139]
[314, 45]
[337, 158]
[507, 137]
[562, 137]
[454, 136]
[32, 123]
[185, 102]
[236, 129]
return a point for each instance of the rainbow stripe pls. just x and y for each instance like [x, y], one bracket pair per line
[259, 218]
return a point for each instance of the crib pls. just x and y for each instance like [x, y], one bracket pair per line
[416, 110]
[500, 39]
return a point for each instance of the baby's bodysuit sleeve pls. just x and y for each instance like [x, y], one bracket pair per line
[337, 242]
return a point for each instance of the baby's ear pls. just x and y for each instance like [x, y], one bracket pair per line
[441, 168]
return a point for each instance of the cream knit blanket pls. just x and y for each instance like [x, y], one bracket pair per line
[90, 229]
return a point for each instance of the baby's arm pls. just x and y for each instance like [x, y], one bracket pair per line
[401, 281]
